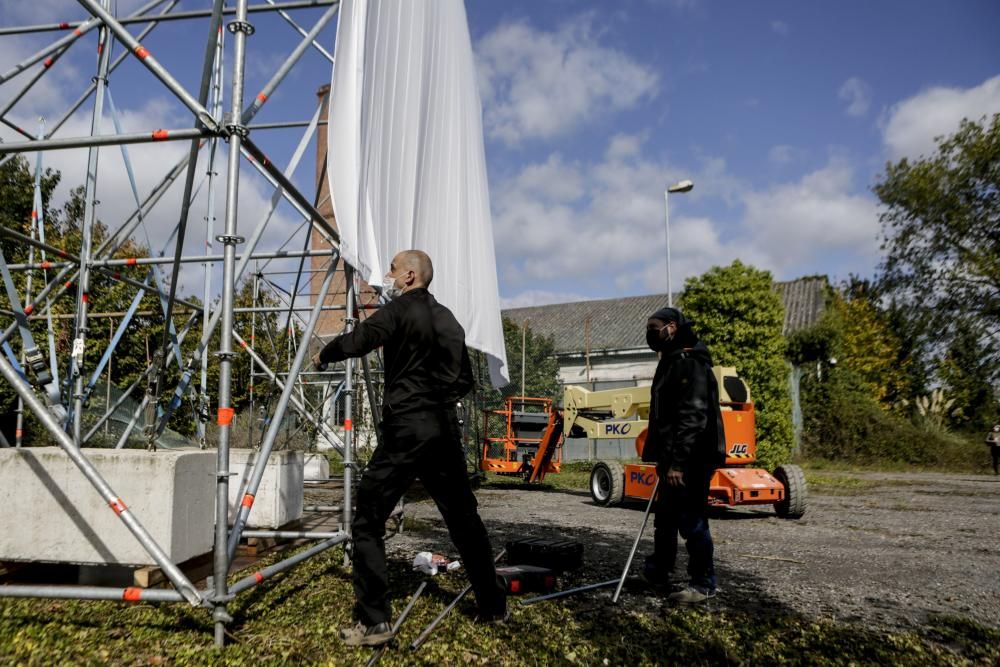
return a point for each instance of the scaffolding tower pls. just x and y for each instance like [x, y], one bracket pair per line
[62, 406]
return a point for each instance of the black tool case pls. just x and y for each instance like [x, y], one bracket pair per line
[556, 554]
[525, 578]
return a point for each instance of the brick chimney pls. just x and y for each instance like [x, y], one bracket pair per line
[330, 322]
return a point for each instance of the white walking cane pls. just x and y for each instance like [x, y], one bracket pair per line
[635, 545]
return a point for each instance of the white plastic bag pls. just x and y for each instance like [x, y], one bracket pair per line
[431, 564]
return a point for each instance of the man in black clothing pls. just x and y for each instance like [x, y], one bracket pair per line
[427, 370]
[686, 441]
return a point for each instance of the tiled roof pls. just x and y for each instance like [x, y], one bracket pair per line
[616, 324]
[804, 299]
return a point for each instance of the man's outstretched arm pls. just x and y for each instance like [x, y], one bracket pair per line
[369, 335]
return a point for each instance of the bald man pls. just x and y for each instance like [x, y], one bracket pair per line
[427, 370]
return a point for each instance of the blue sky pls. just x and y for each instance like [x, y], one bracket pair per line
[782, 113]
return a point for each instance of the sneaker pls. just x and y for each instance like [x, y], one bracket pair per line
[692, 595]
[364, 635]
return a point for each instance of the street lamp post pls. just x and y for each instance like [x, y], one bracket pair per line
[681, 186]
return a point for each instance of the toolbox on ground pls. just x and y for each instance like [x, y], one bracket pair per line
[524, 578]
[556, 554]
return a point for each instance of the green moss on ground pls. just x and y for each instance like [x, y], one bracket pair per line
[294, 618]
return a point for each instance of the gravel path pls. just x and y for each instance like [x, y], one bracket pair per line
[881, 549]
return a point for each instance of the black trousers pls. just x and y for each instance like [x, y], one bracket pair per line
[684, 510]
[425, 444]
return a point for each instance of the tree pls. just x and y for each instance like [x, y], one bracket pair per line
[965, 371]
[541, 376]
[142, 336]
[866, 343]
[739, 316]
[541, 380]
[63, 230]
[941, 226]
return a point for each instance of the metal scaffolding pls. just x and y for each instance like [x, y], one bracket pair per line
[53, 274]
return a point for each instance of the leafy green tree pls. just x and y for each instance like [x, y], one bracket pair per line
[262, 332]
[965, 370]
[107, 294]
[740, 316]
[541, 376]
[866, 343]
[941, 226]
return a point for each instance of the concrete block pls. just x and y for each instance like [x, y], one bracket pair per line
[317, 466]
[280, 496]
[49, 511]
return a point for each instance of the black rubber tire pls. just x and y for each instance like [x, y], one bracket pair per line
[796, 492]
[607, 483]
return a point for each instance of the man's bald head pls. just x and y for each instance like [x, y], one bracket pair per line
[417, 261]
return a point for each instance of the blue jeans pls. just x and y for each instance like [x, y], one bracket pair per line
[683, 510]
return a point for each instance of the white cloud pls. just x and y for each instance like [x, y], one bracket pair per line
[858, 96]
[53, 94]
[676, 5]
[779, 27]
[553, 180]
[624, 146]
[606, 235]
[539, 298]
[911, 126]
[538, 84]
[781, 154]
[54, 11]
[794, 226]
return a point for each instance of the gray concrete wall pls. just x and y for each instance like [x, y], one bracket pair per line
[50, 512]
[279, 499]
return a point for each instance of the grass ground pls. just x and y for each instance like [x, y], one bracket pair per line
[293, 619]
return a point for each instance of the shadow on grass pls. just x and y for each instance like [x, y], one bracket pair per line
[293, 618]
[748, 623]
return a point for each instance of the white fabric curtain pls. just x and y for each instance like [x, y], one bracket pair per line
[407, 166]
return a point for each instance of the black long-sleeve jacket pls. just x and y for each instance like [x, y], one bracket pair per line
[426, 361]
[685, 423]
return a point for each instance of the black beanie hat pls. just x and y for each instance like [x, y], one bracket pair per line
[670, 314]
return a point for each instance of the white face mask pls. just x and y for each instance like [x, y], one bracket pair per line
[389, 289]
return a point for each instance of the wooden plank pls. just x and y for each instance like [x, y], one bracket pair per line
[195, 569]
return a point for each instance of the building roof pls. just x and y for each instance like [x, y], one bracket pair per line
[611, 324]
[805, 301]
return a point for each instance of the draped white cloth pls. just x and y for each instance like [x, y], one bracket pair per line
[407, 166]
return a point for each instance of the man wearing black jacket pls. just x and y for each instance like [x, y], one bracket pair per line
[427, 370]
[686, 441]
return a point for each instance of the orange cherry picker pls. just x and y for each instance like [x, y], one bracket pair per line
[527, 435]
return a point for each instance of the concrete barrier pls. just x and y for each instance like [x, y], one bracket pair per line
[317, 466]
[49, 512]
[280, 496]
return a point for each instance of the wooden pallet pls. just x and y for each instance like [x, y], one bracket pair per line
[195, 569]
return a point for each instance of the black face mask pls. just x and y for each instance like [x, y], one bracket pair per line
[653, 340]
